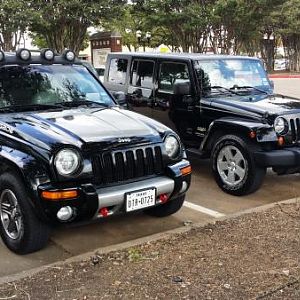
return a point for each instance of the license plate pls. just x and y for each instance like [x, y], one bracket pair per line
[140, 199]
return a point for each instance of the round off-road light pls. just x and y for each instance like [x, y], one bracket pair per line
[24, 54]
[47, 54]
[69, 55]
[2, 56]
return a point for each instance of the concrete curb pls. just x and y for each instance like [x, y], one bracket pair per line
[139, 241]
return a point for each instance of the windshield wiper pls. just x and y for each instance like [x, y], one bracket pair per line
[24, 107]
[248, 87]
[220, 88]
[80, 102]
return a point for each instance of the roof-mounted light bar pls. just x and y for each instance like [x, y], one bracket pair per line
[47, 54]
[2, 56]
[24, 54]
[44, 56]
[69, 55]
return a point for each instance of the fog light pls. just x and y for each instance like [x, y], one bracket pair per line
[65, 213]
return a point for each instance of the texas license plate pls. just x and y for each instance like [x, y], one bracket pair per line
[140, 199]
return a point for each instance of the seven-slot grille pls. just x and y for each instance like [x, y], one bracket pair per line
[295, 129]
[116, 166]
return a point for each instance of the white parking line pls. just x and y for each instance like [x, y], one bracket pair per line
[204, 210]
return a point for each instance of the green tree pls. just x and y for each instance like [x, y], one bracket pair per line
[186, 22]
[64, 23]
[135, 17]
[15, 16]
[286, 21]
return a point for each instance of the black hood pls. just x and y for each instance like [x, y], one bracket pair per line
[258, 106]
[82, 127]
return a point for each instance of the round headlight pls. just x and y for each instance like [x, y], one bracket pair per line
[67, 161]
[280, 125]
[24, 54]
[172, 146]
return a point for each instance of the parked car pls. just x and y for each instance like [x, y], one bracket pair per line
[222, 107]
[69, 154]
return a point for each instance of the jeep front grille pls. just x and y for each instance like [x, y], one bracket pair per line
[112, 167]
[295, 129]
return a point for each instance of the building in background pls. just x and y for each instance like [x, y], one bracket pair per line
[103, 43]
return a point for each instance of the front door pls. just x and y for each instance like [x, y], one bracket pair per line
[141, 86]
[175, 111]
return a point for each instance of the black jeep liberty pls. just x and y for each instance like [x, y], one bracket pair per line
[69, 153]
[222, 107]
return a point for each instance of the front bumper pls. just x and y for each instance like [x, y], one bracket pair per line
[92, 199]
[283, 158]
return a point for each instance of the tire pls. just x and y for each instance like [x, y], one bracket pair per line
[233, 166]
[25, 233]
[166, 209]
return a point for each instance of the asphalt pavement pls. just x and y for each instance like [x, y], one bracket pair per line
[205, 201]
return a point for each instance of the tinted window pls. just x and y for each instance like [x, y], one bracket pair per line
[26, 85]
[171, 73]
[117, 71]
[142, 73]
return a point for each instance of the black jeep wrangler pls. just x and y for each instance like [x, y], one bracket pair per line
[69, 153]
[222, 107]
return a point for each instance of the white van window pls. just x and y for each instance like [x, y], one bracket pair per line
[117, 71]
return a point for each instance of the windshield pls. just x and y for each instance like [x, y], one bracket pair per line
[47, 85]
[230, 74]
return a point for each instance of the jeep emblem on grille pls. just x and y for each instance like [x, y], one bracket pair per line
[124, 140]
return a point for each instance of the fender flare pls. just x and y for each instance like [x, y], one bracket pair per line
[264, 132]
[31, 171]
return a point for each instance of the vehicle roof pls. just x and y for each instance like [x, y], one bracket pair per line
[190, 56]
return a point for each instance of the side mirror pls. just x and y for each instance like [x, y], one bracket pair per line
[120, 98]
[182, 88]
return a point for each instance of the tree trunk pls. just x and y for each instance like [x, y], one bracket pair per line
[7, 43]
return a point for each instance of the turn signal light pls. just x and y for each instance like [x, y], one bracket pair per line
[252, 134]
[186, 170]
[59, 195]
[281, 141]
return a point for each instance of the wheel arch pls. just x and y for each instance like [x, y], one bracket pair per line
[28, 168]
[232, 126]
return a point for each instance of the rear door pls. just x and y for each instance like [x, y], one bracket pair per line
[141, 86]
